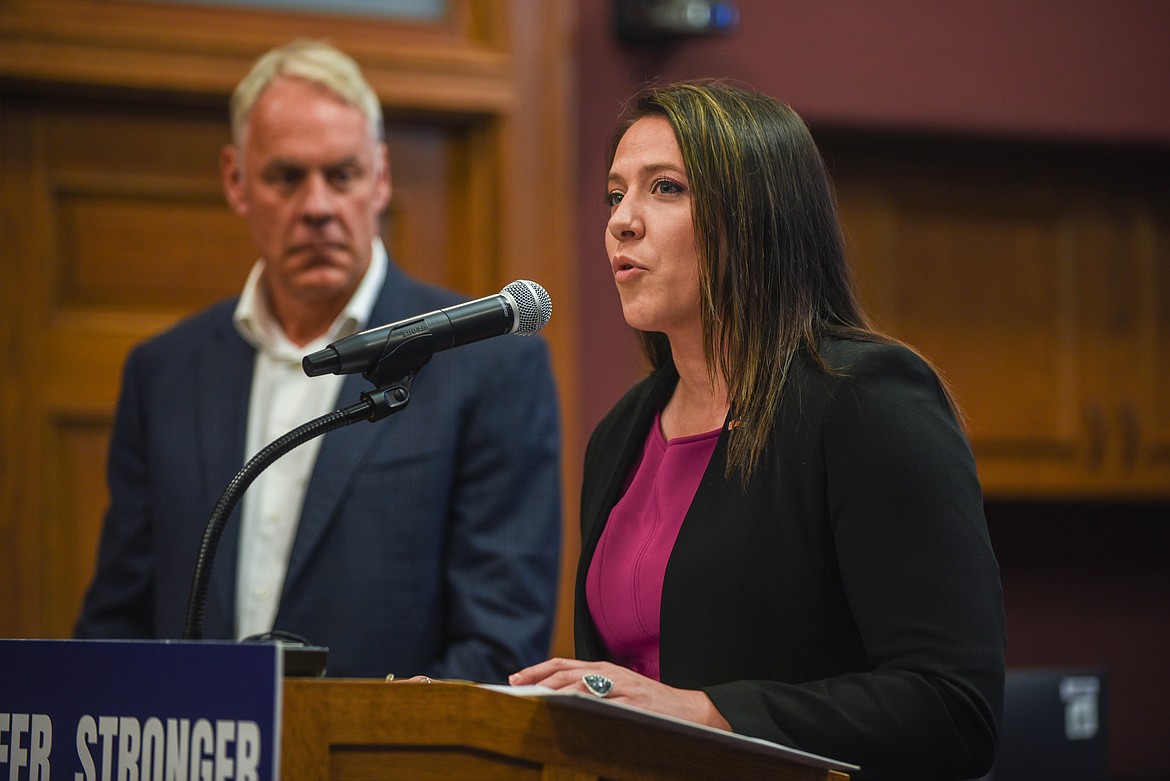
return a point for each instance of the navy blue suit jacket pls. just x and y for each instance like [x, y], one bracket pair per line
[428, 543]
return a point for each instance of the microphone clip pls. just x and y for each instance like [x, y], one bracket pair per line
[384, 401]
[394, 372]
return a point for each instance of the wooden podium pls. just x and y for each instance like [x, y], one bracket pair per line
[364, 729]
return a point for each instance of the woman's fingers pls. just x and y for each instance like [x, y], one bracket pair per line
[534, 675]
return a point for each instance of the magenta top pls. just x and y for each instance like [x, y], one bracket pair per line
[624, 585]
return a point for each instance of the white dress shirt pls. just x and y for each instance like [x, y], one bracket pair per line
[282, 399]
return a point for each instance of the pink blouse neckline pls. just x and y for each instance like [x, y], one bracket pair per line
[623, 587]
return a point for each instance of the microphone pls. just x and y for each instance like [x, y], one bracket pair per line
[522, 308]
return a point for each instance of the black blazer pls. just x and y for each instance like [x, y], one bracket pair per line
[848, 602]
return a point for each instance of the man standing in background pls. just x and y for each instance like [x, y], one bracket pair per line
[427, 543]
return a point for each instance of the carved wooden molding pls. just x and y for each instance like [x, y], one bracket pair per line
[459, 65]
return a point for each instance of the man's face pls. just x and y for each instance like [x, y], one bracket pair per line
[311, 183]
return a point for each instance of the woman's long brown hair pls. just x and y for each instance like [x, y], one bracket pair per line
[773, 275]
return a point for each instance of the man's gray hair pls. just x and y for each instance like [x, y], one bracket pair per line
[313, 61]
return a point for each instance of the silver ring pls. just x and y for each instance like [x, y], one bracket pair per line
[597, 685]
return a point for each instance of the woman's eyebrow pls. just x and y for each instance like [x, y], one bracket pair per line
[649, 168]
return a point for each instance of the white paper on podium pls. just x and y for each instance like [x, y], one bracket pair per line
[588, 702]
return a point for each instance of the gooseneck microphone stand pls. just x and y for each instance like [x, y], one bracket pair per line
[392, 375]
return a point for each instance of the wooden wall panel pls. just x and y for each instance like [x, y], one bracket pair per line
[1143, 413]
[1003, 272]
[177, 248]
[75, 497]
[1038, 286]
[417, 224]
[132, 212]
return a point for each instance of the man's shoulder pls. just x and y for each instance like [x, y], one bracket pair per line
[194, 331]
[403, 295]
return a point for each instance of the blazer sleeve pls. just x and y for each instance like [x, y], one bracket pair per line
[919, 577]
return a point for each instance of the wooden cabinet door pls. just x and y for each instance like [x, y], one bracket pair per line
[1136, 413]
[1041, 302]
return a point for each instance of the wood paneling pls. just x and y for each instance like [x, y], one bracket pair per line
[74, 489]
[1142, 337]
[177, 246]
[1037, 283]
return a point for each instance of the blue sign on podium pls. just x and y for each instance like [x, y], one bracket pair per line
[100, 710]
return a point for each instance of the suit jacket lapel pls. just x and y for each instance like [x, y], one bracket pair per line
[342, 450]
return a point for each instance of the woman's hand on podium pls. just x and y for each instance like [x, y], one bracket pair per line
[624, 686]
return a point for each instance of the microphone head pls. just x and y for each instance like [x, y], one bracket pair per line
[531, 305]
